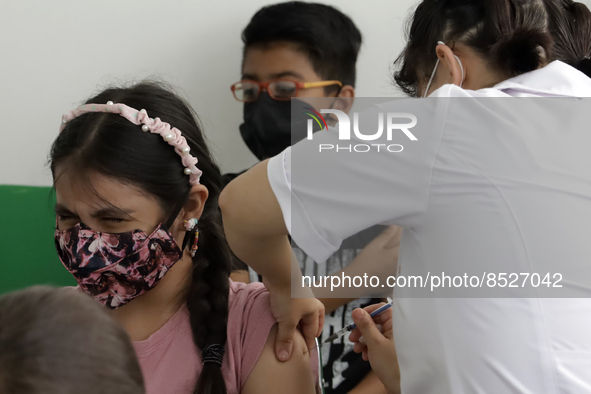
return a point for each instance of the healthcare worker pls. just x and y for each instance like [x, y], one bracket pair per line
[487, 187]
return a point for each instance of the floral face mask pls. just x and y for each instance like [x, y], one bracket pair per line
[116, 268]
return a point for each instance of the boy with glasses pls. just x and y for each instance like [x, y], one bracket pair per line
[303, 50]
[298, 50]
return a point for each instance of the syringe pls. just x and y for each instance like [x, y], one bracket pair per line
[352, 326]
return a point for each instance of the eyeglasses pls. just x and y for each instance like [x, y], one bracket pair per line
[248, 91]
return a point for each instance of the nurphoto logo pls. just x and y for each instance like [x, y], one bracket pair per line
[395, 122]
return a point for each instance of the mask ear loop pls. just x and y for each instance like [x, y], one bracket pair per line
[177, 209]
[431, 79]
[462, 68]
[168, 224]
[435, 69]
[336, 97]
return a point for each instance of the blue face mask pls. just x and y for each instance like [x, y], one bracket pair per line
[435, 69]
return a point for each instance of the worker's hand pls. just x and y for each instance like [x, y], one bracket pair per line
[377, 345]
[289, 312]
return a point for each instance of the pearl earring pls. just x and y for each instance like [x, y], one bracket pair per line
[191, 225]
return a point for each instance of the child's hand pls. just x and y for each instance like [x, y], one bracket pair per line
[377, 346]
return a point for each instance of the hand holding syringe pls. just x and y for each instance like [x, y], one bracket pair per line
[351, 327]
[376, 345]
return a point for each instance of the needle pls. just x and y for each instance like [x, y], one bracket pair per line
[351, 327]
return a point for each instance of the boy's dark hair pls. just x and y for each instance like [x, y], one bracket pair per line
[329, 38]
[62, 341]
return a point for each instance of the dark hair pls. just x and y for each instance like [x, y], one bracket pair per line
[56, 340]
[512, 35]
[570, 26]
[112, 146]
[329, 38]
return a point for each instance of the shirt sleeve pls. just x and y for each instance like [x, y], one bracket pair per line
[251, 302]
[329, 188]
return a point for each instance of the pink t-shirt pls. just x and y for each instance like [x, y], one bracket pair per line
[171, 362]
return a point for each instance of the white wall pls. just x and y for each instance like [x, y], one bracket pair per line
[54, 54]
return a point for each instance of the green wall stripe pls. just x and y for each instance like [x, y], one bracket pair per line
[27, 251]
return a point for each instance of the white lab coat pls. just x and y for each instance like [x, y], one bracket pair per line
[508, 192]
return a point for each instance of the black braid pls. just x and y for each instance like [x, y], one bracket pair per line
[208, 296]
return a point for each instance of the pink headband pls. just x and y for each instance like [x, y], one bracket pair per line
[170, 134]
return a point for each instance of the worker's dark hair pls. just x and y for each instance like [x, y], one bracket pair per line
[512, 35]
[329, 38]
[570, 26]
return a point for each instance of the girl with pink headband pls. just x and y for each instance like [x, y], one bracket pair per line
[138, 226]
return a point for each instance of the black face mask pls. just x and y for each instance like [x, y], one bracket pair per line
[267, 127]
